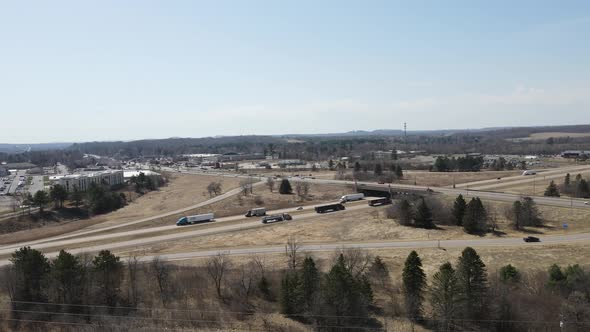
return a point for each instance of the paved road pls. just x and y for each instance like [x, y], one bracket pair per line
[102, 228]
[37, 184]
[520, 179]
[503, 242]
[183, 232]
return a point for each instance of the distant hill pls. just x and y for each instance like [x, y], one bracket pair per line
[16, 148]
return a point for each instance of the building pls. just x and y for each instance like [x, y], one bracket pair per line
[127, 175]
[4, 171]
[83, 181]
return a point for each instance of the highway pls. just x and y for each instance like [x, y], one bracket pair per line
[521, 179]
[91, 236]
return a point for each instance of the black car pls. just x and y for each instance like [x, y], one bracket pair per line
[531, 239]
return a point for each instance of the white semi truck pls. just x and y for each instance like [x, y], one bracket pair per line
[188, 220]
[257, 212]
[352, 197]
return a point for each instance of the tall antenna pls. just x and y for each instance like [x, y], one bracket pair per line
[405, 136]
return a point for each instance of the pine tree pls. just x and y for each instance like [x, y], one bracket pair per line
[310, 279]
[379, 271]
[58, 194]
[567, 180]
[67, 278]
[583, 189]
[290, 298]
[414, 285]
[40, 200]
[509, 274]
[76, 197]
[423, 216]
[444, 295]
[473, 284]
[378, 170]
[552, 190]
[530, 213]
[108, 269]
[31, 269]
[357, 167]
[405, 213]
[285, 188]
[516, 215]
[399, 172]
[475, 218]
[459, 207]
[343, 295]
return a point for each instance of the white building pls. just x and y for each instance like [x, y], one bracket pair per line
[83, 181]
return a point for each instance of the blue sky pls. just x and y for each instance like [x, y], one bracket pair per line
[110, 70]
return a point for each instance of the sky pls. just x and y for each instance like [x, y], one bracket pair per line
[74, 71]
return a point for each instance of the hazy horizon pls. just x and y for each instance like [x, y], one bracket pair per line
[78, 72]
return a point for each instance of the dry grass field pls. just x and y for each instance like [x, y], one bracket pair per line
[545, 135]
[261, 197]
[181, 191]
[443, 179]
[371, 225]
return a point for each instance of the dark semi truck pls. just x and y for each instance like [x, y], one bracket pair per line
[329, 208]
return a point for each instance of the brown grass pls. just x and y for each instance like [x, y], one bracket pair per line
[182, 190]
[442, 179]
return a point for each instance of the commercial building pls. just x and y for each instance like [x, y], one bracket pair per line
[83, 181]
[3, 171]
[575, 154]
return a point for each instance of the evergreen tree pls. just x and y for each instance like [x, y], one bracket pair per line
[40, 200]
[509, 274]
[583, 189]
[399, 172]
[405, 213]
[58, 194]
[423, 216]
[530, 213]
[459, 207]
[76, 197]
[264, 288]
[475, 218]
[31, 269]
[567, 181]
[357, 167]
[290, 297]
[285, 187]
[444, 295]
[552, 190]
[473, 284]
[108, 269]
[67, 278]
[310, 282]
[414, 285]
[378, 170]
[516, 215]
[343, 296]
[379, 271]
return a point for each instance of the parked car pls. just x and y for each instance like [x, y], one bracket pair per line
[587, 203]
[531, 239]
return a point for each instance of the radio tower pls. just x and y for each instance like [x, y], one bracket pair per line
[405, 137]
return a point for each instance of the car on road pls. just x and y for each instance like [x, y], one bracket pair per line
[587, 203]
[531, 239]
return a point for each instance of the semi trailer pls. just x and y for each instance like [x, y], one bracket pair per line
[329, 208]
[380, 201]
[276, 217]
[188, 220]
[257, 212]
[352, 197]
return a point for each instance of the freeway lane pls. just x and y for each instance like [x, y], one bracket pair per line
[62, 244]
[310, 247]
[517, 179]
[101, 228]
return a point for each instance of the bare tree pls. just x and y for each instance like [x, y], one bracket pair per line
[132, 267]
[214, 188]
[247, 186]
[249, 273]
[357, 261]
[292, 249]
[270, 183]
[161, 273]
[302, 189]
[217, 266]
